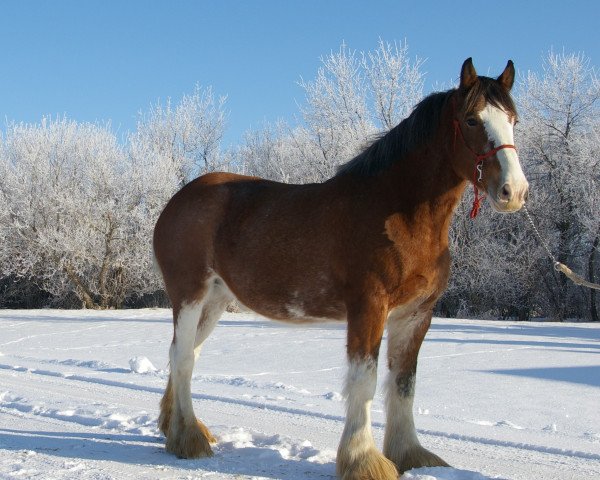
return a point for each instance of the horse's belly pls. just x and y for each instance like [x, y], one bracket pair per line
[294, 309]
[281, 302]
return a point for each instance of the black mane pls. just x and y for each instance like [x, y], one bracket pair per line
[409, 134]
[420, 126]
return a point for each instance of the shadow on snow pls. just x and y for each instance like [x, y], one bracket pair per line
[146, 450]
[584, 375]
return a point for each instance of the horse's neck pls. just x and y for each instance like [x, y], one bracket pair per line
[424, 190]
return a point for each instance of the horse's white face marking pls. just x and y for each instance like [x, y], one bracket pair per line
[499, 129]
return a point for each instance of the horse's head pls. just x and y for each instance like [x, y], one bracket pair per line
[484, 151]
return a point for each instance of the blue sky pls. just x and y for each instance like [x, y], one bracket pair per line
[99, 60]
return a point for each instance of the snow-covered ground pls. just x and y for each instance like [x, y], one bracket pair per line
[79, 393]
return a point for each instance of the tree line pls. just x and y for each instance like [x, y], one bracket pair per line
[77, 206]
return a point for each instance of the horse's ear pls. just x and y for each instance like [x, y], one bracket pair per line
[508, 76]
[468, 75]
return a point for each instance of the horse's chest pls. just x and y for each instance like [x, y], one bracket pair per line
[421, 264]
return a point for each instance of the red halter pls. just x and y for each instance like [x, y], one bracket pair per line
[478, 170]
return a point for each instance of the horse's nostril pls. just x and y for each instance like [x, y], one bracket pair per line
[506, 192]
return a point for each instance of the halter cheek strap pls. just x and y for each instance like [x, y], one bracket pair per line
[478, 170]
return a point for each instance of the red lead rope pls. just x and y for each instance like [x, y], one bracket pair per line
[478, 170]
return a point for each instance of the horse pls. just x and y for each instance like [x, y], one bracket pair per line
[368, 246]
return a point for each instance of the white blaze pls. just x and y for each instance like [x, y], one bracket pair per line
[499, 129]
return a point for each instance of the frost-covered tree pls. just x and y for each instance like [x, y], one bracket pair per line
[353, 97]
[60, 185]
[77, 211]
[396, 82]
[77, 208]
[492, 257]
[336, 114]
[152, 180]
[188, 134]
[559, 139]
[269, 153]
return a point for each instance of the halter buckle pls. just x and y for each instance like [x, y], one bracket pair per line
[479, 168]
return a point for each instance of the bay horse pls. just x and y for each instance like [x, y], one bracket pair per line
[368, 246]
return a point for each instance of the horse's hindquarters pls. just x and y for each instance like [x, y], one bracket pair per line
[184, 240]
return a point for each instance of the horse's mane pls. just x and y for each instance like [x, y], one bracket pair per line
[419, 127]
[393, 145]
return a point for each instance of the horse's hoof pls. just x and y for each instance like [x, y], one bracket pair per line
[191, 441]
[416, 457]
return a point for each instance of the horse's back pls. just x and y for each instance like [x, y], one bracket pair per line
[194, 215]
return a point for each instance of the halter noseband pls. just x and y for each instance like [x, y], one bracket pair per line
[478, 170]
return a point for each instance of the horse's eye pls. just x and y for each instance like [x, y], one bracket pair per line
[471, 122]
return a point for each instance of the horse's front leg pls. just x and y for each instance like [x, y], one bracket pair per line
[401, 446]
[357, 456]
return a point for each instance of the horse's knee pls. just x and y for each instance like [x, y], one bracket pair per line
[361, 380]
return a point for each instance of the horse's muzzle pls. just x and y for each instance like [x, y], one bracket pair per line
[510, 197]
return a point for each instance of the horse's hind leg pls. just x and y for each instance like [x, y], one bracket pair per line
[212, 310]
[401, 445]
[186, 436]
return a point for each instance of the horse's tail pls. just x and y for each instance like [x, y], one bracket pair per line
[155, 265]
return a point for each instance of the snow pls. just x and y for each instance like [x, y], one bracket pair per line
[141, 365]
[79, 393]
